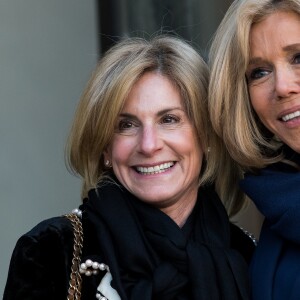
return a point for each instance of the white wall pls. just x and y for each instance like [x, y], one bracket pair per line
[47, 51]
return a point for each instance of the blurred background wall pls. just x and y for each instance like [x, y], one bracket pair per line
[47, 52]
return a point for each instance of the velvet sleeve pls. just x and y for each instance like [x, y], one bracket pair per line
[41, 262]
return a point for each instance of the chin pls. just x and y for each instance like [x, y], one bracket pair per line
[296, 147]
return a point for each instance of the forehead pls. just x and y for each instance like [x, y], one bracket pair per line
[276, 22]
[279, 29]
[153, 90]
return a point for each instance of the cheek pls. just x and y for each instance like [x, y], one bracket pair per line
[258, 99]
[261, 96]
[194, 149]
[198, 157]
[121, 149]
[253, 95]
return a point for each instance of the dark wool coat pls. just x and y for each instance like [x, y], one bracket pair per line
[41, 262]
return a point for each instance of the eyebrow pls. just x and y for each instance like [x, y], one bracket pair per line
[160, 113]
[287, 48]
[255, 60]
[291, 47]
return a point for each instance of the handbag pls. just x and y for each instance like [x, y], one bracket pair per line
[74, 291]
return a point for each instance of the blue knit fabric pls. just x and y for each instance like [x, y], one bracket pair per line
[275, 267]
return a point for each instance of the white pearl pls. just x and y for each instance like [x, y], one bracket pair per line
[88, 263]
[75, 210]
[95, 265]
[98, 296]
[88, 273]
[95, 272]
[102, 267]
[83, 266]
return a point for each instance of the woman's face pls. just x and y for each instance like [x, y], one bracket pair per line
[274, 75]
[155, 153]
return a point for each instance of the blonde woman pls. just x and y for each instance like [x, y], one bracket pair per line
[153, 225]
[254, 105]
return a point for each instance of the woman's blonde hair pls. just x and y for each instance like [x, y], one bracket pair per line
[233, 118]
[107, 90]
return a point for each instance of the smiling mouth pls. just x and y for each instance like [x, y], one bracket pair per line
[291, 116]
[155, 169]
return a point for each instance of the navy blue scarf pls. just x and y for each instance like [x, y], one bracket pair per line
[275, 268]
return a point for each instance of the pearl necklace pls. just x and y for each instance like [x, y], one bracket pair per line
[77, 212]
[90, 267]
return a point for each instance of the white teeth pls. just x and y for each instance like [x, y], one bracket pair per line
[155, 169]
[291, 116]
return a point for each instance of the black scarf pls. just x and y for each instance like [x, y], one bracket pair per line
[150, 257]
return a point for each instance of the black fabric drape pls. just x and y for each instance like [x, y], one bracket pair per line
[173, 258]
[150, 257]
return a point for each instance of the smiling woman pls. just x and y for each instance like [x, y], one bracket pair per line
[274, 75]
[151, 217]
[155, 152]
[255, 80]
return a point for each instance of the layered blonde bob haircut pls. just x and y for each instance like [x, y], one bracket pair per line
[107, 91]
[232, 115]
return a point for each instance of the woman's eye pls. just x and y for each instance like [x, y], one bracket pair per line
[257, 74]
[125, 124]
[297, 58]
[170, 119]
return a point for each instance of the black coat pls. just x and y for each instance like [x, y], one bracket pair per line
[41, 262]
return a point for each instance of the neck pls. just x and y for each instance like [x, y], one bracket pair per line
[179, 212]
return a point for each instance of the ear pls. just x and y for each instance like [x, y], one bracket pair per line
[107, 159]
[106, 154]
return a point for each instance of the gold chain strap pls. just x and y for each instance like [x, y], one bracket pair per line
[74, 291]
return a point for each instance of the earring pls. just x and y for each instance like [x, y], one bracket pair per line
[107, 163]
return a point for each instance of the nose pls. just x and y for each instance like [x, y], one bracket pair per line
[287, 82]
[150, 141]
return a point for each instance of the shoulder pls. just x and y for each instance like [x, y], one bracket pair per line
[54, 224]
[52, 235]
[41, 262]
[55, 234]
[47, 231]
[242, 241]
